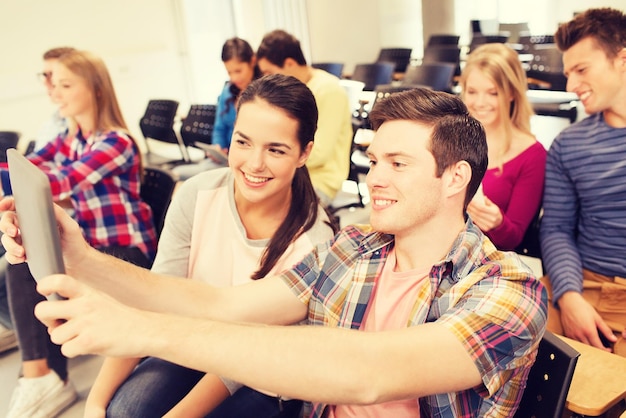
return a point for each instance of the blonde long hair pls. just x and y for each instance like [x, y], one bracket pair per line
[108, 116]
[92, 69]
[502, 65]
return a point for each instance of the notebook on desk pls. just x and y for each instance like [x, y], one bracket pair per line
[35, 212]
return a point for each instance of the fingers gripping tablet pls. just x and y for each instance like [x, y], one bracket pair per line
[35, 212]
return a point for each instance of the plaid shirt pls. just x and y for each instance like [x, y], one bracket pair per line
[100, 175]
[488, 299]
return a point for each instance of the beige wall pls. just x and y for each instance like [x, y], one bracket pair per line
[149, 56]
[137, 39]
[345, 31]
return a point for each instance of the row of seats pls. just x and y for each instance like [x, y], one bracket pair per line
[157, 124]
[538, 53]
[434, 74]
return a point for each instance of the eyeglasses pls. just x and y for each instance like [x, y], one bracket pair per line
[45, 76]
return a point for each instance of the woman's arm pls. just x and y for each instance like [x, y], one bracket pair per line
[224, 119]
[506, 227]
[46, 153]
[112, 374]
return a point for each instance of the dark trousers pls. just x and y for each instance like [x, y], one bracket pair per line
[5, 315]
[32, 336]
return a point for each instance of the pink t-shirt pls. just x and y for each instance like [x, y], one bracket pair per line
[394, 299]
[204, 237]
[231, 260]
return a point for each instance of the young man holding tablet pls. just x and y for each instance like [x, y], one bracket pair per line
[453, 325]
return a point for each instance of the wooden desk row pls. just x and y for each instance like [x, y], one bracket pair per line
[599, 381]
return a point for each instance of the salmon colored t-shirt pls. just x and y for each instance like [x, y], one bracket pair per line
[390, 309]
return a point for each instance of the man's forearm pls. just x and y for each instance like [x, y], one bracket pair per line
[320, 364]
[270, 302]
[120, 279]
[140, 288]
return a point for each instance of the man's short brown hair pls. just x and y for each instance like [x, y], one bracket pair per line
[606, 26]
[456, 135]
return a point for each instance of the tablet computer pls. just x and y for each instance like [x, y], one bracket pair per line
[215, 151]
[35, 212]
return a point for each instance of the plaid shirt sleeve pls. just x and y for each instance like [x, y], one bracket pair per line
[101, 176]
[499, 317]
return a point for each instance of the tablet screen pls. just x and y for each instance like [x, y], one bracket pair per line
[35, 212]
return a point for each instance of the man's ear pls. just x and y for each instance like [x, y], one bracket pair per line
[459, 176]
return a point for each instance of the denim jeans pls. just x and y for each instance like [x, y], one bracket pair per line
[153, 388]
[156, 386]
[32, 336]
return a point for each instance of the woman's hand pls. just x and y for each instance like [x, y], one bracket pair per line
[9, 226]
[485, 214]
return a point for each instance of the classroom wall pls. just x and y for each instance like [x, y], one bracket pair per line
[137, 39]
[170, 48]
[347, 31]
[542, 16]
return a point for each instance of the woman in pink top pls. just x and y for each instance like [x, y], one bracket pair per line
[494, 89]
[260, 215]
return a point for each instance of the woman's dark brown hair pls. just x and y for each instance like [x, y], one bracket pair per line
[296, 100]
[240, 50]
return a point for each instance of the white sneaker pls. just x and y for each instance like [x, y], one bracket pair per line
[41, 397]
[7, 339]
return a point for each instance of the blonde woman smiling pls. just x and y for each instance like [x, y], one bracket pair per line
[494, 90]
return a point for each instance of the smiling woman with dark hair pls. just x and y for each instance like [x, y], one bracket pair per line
[227, 227]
